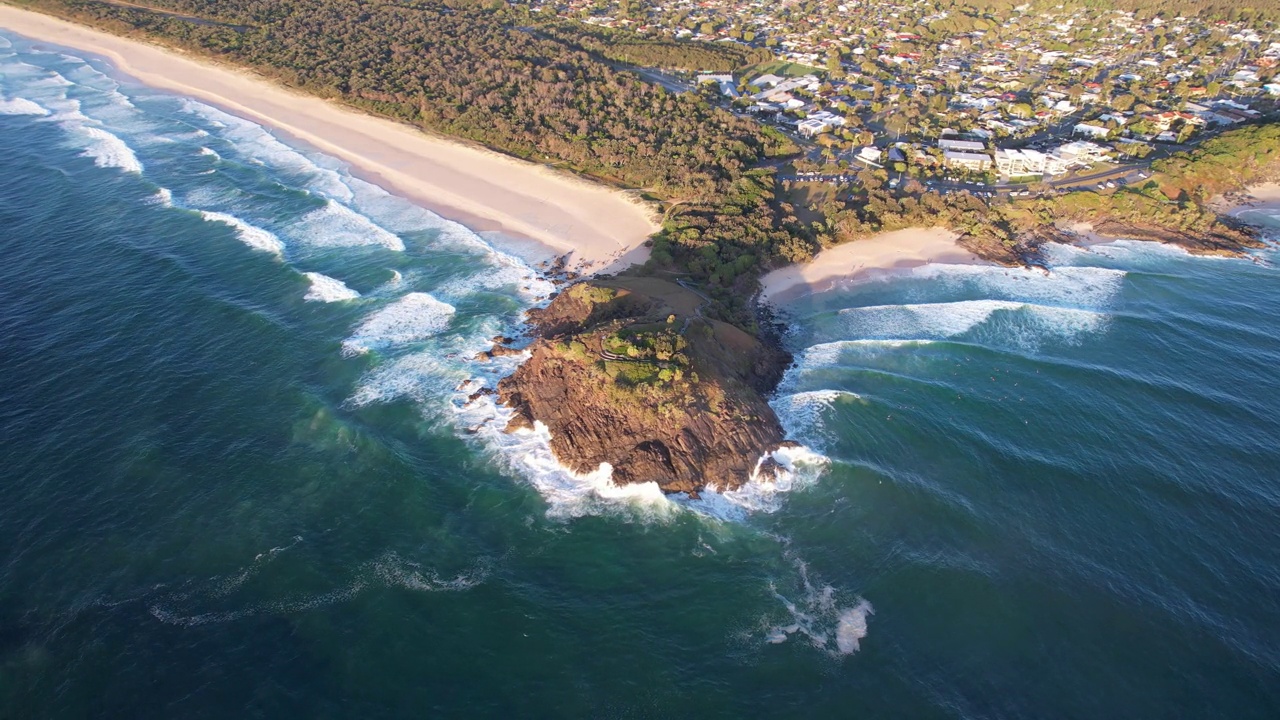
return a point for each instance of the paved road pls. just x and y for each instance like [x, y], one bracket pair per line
[1128, 173]
[670, 83]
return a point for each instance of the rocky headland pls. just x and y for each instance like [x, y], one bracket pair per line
[630, 372]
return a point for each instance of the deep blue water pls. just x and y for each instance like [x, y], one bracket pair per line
[239, 478]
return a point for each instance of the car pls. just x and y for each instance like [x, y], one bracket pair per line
[1110, 184]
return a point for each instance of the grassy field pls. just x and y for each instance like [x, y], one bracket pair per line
[778, 67]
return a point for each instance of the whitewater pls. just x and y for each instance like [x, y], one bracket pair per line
[244, 473]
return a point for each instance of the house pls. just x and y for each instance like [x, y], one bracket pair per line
[1079, 154]
[1095, 132]
[870, 155]
[972, 161]
[724, 80]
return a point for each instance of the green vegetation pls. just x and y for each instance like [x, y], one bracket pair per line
[1176, 196]
[781, 68]
[1231, 161]
[542, 88]
[665, 53]
[494, 75]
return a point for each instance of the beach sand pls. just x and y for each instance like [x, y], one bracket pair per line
[1264, 197]
[602, 228]
[881, 253]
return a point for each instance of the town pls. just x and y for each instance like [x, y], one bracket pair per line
[1030, 99]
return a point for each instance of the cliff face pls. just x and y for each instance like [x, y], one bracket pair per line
[628, 372]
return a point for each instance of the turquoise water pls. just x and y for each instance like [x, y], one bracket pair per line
[240, 478]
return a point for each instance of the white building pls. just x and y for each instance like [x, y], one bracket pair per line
[818, 123]
[870, 155]
[964, 146]
[967, 160]
[1079, 154]
[1015, 163]
[1096, 132]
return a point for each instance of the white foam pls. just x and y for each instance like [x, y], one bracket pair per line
[336, 225]
[108, 150]
[210, 152]
[1130, 253]
[186, 607]
[327, 289]
[21, 106]
[415, 316]
[953, 319]
[257, 143]
[800, 467]
[251, 235]
[820, 617]
[830, 353]
[569, 494]
[803, 414]
[163, 196]
[1093, 288]
[853, 627]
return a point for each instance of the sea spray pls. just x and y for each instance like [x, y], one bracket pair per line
[415, 316]
[795, 467]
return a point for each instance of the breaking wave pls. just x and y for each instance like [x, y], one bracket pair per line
[327, 289]
[21, 106]
[163, 196]
[336, 225]
[415, 316]
[108, 150]
[1003, 322]
[796, 468]
[254, 237]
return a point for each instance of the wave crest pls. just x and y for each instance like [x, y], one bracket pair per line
[251, 235]
[413, 317]
[327, 289]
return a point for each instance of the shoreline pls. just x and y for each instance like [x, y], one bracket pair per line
[1262, 197]
[600, 228]
[852, 261]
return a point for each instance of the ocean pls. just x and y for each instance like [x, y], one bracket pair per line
[241, 477]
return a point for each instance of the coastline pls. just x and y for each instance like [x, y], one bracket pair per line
[885, 252]
[602, 229]
[1262, 197]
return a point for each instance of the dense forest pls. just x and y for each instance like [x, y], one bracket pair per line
[631, 48]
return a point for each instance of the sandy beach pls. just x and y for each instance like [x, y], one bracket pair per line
[1264, 197]
[885, 252]
[602, 228]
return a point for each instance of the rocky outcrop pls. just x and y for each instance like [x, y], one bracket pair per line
[628, 372]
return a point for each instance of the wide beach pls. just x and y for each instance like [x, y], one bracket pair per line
[600, 227]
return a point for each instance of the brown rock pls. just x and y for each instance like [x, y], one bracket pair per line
[681, 434]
